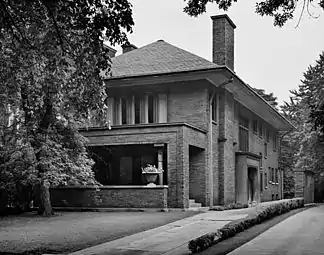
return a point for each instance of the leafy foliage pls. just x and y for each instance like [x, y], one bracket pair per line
[281, 11]
[52, 60]
[304, 148]
[270, 98]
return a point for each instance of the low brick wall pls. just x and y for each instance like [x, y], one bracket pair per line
[110, 197]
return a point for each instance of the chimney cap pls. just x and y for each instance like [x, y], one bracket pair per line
[109, 48]
[222, 16]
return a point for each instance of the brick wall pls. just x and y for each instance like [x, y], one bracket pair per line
[197, 175]
[110, 197]
[256, 146]
[226, 150]
[187, 103]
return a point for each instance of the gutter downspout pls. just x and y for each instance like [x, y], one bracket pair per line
[210, 140]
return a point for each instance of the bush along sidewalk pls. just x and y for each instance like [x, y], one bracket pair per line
[228, 207]
[262, 213]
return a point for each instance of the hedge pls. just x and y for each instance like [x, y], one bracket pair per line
[262, 213]
[229, 207]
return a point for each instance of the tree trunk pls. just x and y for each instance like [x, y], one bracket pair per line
[45, 207]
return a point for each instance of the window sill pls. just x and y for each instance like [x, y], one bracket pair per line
[214, 122]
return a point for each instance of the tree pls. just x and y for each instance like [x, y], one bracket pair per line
[304, 147]
[270, 98]
[52, 59]
[280, 10]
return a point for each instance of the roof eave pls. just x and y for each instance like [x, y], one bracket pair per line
[287, 123]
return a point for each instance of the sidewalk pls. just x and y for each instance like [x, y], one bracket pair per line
[169, 239]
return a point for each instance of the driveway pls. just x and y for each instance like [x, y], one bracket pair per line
[71, 231]
[300, 234]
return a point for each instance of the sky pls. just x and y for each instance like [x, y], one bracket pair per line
[266, 57]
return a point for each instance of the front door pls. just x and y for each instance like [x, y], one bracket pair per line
[251, 184]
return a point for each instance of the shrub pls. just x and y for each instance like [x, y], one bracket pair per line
[229, 207]
[230, 229]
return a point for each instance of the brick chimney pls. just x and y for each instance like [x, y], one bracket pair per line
[128, 47]
[223, 41]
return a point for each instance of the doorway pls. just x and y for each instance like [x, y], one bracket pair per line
[252, 184]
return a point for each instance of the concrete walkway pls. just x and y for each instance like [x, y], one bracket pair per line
[302, 233]
[172, 238]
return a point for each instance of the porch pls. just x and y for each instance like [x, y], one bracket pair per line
[121, 152]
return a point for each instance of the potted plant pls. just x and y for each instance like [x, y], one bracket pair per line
[151, 173]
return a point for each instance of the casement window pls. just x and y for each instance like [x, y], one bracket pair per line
[260, 129]
[152, 109]
[267, 135]
[214, 108]
[265, 180]
[255, 126]
[275, 141]
[137, 109]
[243, 134]
[277, 176]
[273, 175]
[270, 174]
[261, 160]
[265, 150]
[261, 181]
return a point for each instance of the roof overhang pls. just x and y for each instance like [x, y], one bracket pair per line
[242, 92]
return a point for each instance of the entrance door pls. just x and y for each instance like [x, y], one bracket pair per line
[252, 184]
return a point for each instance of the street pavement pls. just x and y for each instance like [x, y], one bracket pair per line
[303, 233]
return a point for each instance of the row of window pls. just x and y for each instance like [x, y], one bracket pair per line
[137, 109]
[265, 133]
[271, 176]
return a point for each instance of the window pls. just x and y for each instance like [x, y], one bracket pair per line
[261, 160]
[260, 129]
[267, 135]
[277, 176]
[275, 142]
[266, 180]
[243, 134]
[123, 111]
[273, 175]
[137, 110]
[270, 174]
[151, 109]
[255, 126]
[265, 150]
[214, 108]
[261, 181]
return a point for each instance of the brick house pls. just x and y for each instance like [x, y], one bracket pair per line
[213, 135]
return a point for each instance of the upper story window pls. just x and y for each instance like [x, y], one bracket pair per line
[214, 108]
[138, 109]
[243, 134]
[275, 141]
[267, 135]
[260, 129]
[255, 126]
[261, 160]
[265, 150]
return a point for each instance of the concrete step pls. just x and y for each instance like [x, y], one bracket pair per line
[192, 203]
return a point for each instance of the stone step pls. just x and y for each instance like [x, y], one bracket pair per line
[195, 205]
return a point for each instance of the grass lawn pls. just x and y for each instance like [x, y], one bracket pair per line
[71, 231]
